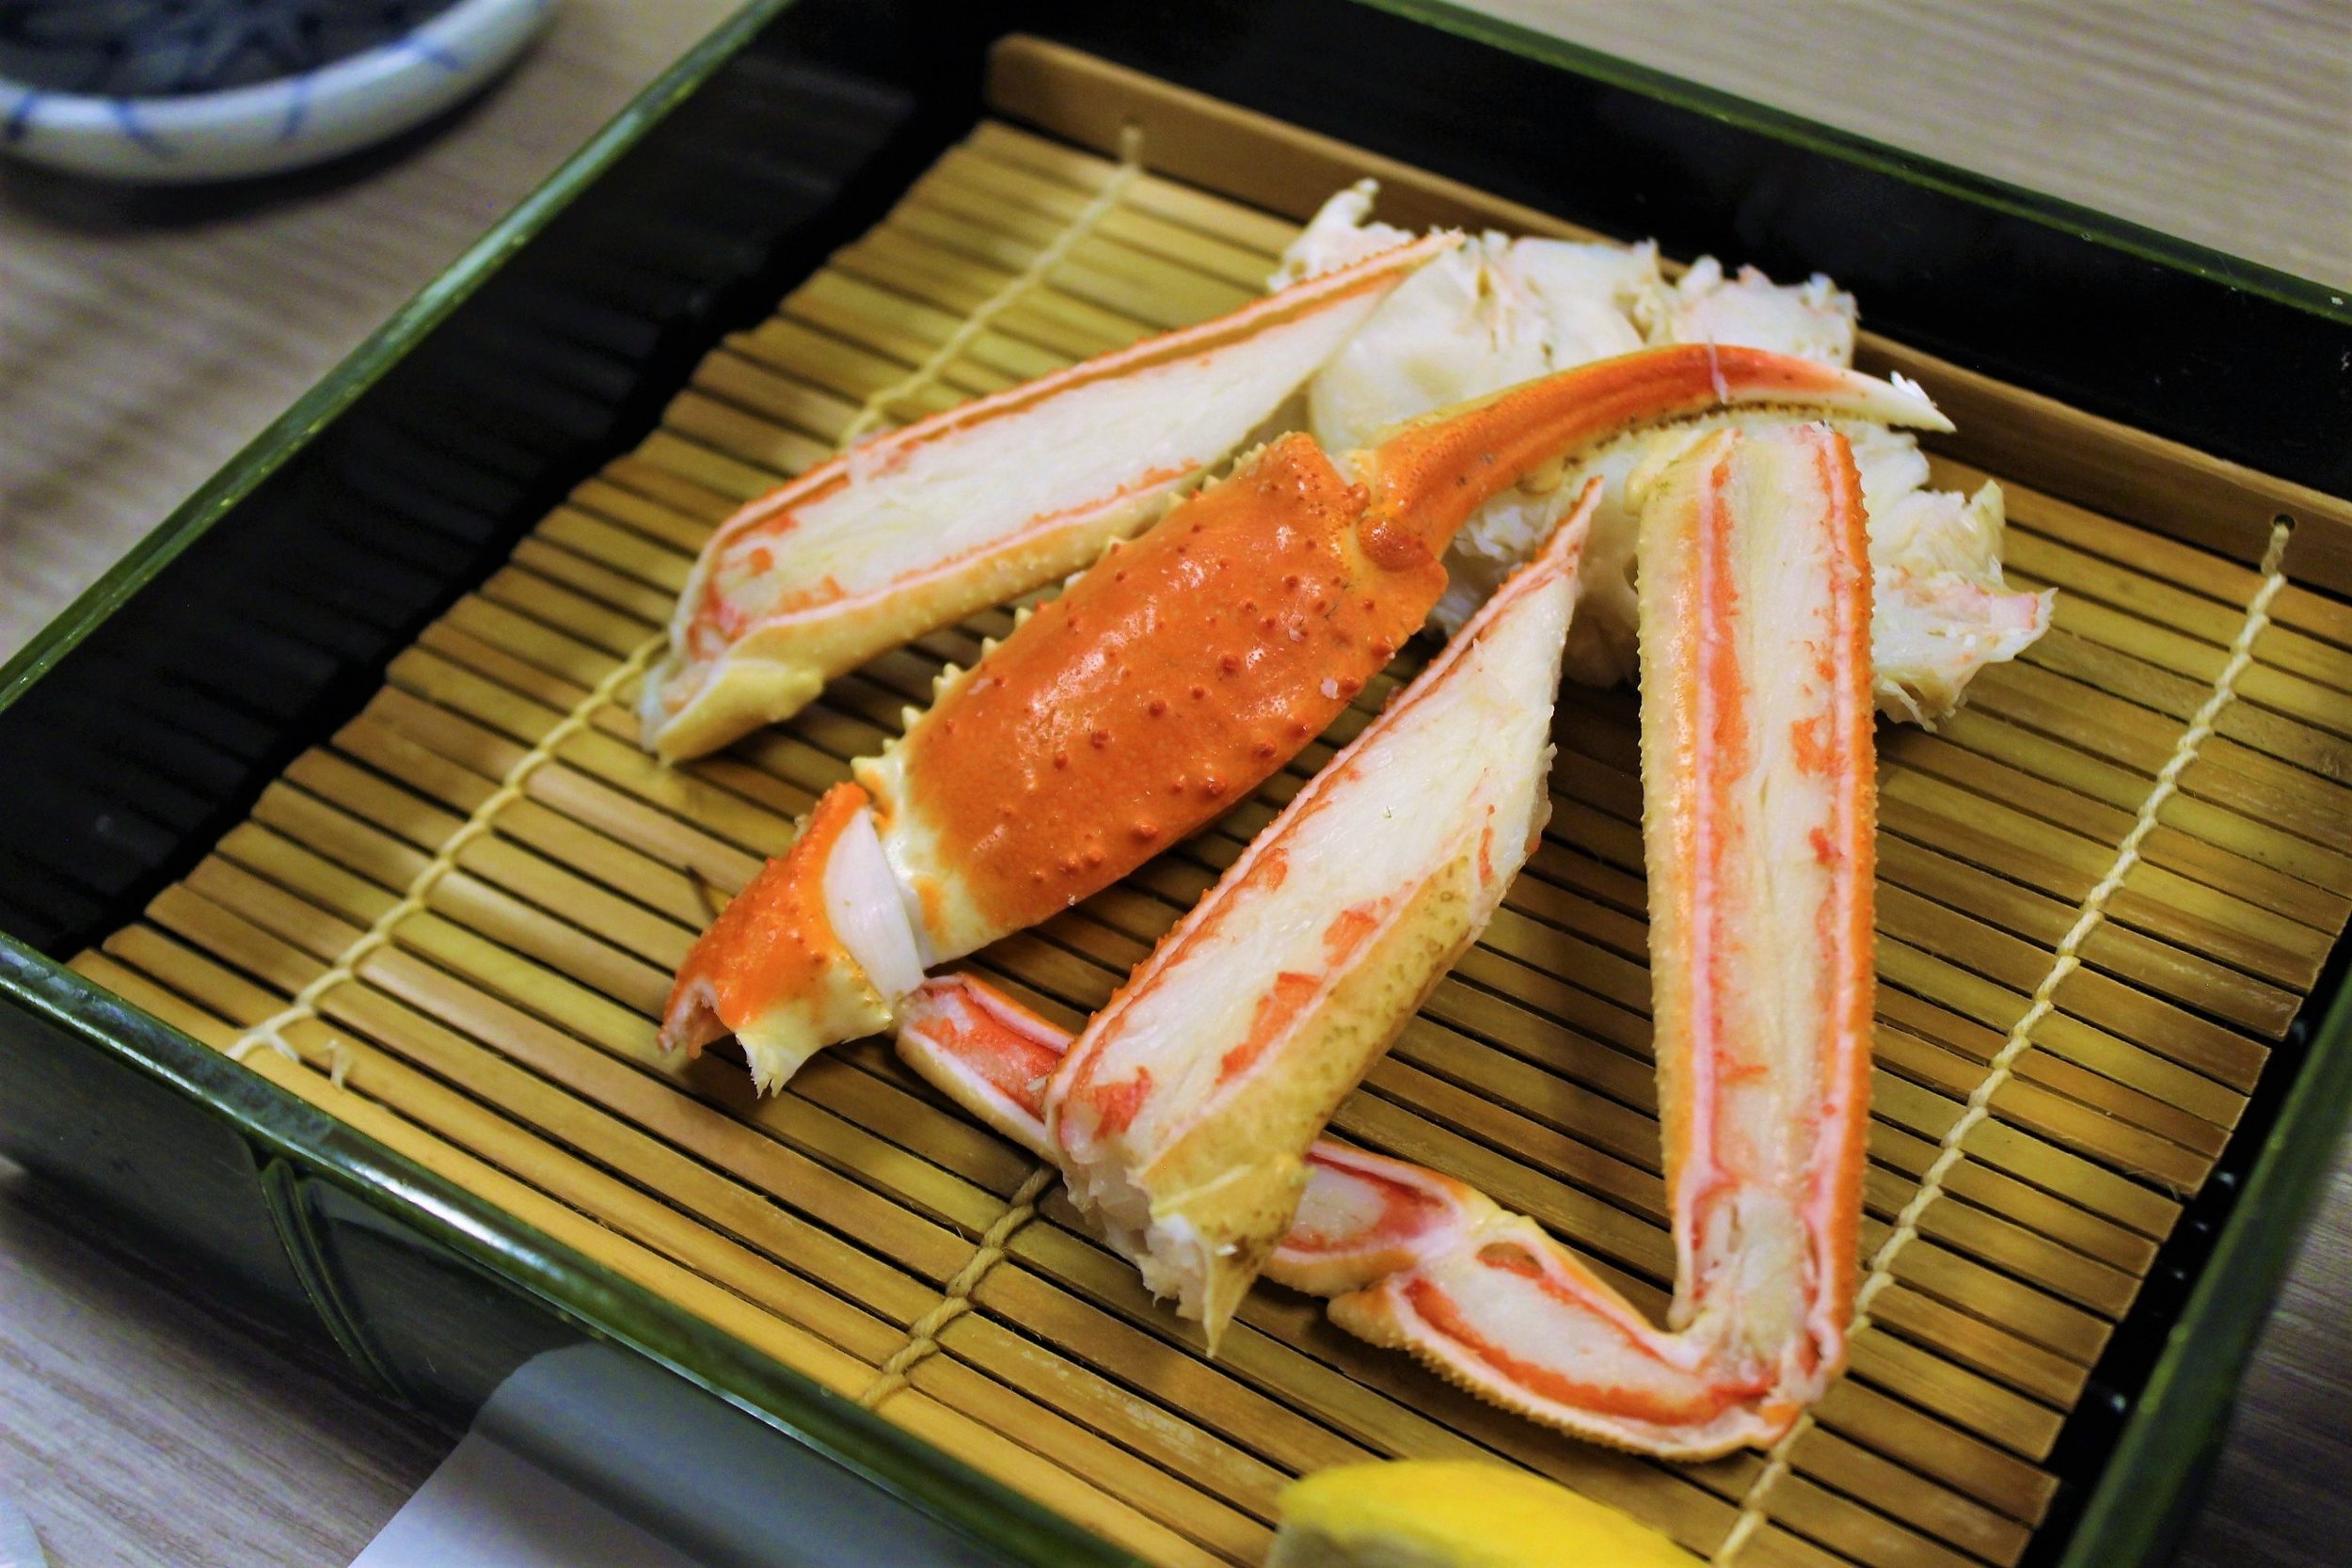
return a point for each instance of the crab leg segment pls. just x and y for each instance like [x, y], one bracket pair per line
[1189, 664]
[1759, 770]
[1361, 1217]
[1185, 1109]
[970, 507]
[1431, 473]
[1760, 822]
[985, 1052]
[1413, 1259]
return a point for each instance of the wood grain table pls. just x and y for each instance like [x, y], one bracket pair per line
[144, 337]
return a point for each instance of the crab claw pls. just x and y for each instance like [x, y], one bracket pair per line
[814, 950]
[1193, 661]
[1189, 664]
[1185, 1108]
[982, 502]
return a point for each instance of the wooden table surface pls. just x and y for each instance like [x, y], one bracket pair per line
[145, 337]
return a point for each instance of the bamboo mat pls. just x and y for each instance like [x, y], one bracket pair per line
[475, 893]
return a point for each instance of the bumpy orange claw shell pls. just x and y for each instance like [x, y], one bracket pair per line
[1164, 685]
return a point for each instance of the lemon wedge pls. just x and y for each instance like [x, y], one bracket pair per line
[1456, 1514]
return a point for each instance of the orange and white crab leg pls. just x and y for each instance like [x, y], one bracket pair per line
[1760, 813]
[1192, 663]
[1370, 1231]
[1185, 1109]
[1759, 775]
[980, 504]
[1361, 1217]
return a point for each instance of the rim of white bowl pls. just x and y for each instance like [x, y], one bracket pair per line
[73, 113]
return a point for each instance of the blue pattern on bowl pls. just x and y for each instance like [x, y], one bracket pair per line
[162, 48]
[176, 89]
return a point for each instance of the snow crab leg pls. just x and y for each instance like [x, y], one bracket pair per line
[1370, 1231]
[1758, 769]
[920, 528]
[1361, 1217]
[1173, 678]
[1184, 1108]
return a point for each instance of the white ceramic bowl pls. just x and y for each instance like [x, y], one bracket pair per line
[278, 124]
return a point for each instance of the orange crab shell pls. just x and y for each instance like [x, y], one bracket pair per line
[1168, 683]
[771, 969]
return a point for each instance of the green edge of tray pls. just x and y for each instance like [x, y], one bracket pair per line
[576, 1290]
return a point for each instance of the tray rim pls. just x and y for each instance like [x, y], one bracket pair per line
[2074, 218]
[2179, 1414]
[2182, 1415]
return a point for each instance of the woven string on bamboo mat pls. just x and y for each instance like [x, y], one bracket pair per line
[2105, 887]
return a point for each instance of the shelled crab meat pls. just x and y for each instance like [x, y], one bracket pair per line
[1758, 819]
[1185, 1110]
[1496, 310]
[1163, 684]
[914, 530]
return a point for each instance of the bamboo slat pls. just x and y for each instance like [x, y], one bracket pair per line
[488, 1008]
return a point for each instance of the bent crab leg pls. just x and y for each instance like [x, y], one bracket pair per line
[973, 506]
[1193, 662]
[1361, 1217]
[1759, 812]
[1760, 809]
[1186, 1107]
[1369, 1229]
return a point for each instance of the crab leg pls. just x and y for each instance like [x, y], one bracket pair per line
[1758, 819]
[1361, 1217]
[1191, 663]
[1758, 769]
[921, 528]
[1370, 1232]
[1184, 1108]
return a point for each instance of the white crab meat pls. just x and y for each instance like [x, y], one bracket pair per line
[974, 505]
[1497, 311]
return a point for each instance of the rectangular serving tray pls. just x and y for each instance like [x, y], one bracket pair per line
[144, 722]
